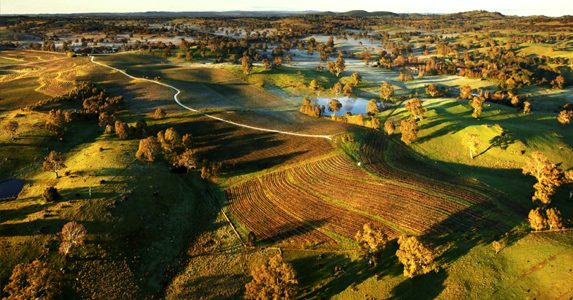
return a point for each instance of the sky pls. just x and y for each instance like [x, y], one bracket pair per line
[520, 7]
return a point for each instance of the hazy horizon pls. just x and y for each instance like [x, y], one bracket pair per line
[527, 7]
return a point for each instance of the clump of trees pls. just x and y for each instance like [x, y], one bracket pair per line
[35, 280]
[186, 160]
[210, 169]
[73, 235]
[416, 257]
[53, 162]
[275, 279]
[549, 178]
[545, 218]
[308, 108]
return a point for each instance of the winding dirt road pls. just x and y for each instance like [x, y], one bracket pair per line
[178, 91]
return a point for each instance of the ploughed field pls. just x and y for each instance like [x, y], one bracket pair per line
[325, 202]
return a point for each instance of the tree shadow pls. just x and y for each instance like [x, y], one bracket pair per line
[22, 212]
[427, 286]
[294, 229]
[329, 274]
[502, 141]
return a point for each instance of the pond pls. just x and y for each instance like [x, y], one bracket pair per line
[352, 105]
[10, 188]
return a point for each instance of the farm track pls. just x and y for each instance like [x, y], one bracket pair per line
[176, 98]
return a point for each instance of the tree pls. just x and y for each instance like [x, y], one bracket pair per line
[339, 65]
[514, 100]
[374, 123]
[313, 85]
[477, 105]
[334, 105]
[372, 107]
[187, 140]
[386, 90]
[389, 127]
[473, 142]
[564, 117]
[186, 160]
[159, 113]
[267, 64]
[415, 256]
[246, 64]
[51, 194]
[348, 87]
[415, 108]
[35, 280]
[105, 119]
[356, 78]
[331, 67]
[466, 92]
[53, 162]
[371, 240]
[409, 130]
[73, 235]
[497, 246]
[172, 139]
[554, 220]
[537, 219]
[559, 82]
[55, 122]
[548, 176]
[141, 128]
[275, 279]
[149, 149]
[433, 90]
[337, 88]
[11, 128]
[526, 107]
[121, 129]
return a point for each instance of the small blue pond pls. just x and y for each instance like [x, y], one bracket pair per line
[10, 188]
[352, 105]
